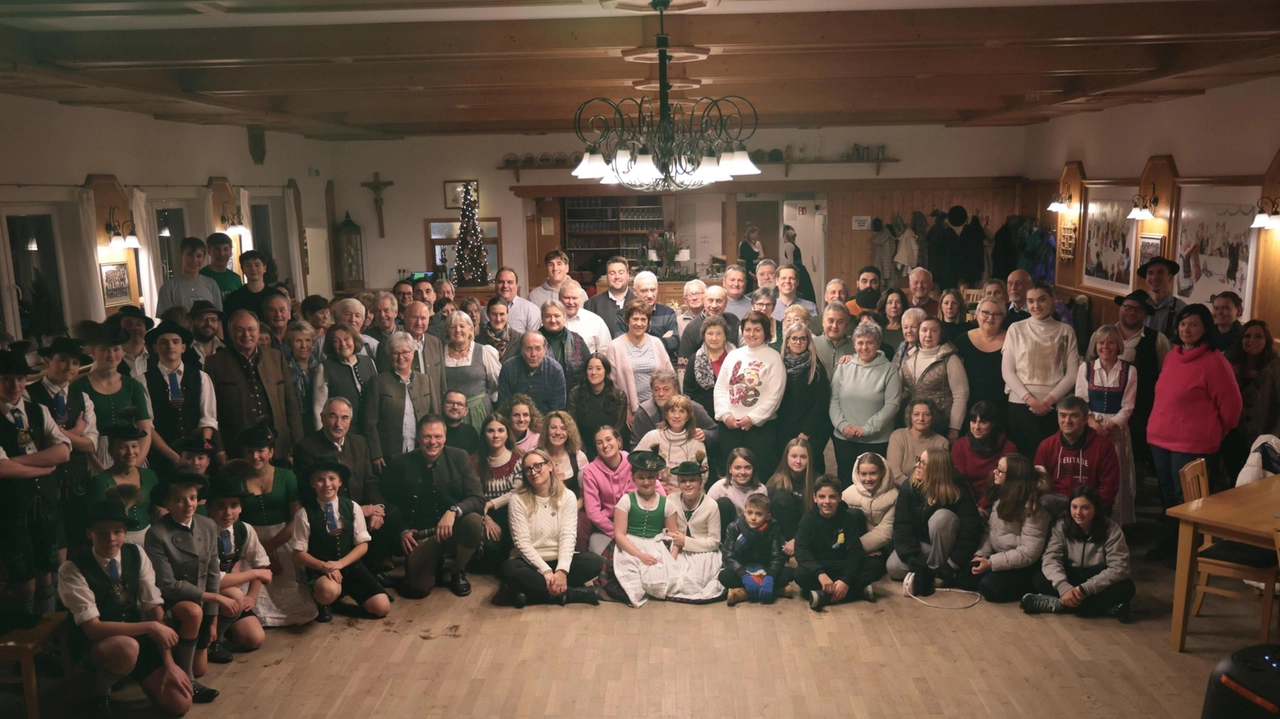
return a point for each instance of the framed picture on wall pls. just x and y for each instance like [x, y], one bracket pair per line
[1148, 247]
[1109, 243]
[115, 284]
[1216, 252]
[453, 193]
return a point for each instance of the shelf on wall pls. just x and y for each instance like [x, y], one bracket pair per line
[519, 168]
[787, 165]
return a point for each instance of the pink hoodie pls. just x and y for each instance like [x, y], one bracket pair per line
[603, 487]
[1197, 401]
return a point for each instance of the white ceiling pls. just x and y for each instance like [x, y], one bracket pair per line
[53, 15]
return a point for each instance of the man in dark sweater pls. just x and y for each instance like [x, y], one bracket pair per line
[829, 558]
[457, 432]
[754, 566]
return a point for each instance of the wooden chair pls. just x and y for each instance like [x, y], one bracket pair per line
[22, 645]
[971, 300]
[1234, 560]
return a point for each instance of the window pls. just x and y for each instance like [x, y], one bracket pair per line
[442, 245]
[171, 226]
[35, 278]
[260, 222]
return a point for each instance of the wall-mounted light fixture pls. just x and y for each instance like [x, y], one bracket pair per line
[1060, 203]
[233, 224]
[1143, 204]
[1268, 217]
[124, 235]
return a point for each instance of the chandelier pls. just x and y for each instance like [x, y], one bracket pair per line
[682, 147]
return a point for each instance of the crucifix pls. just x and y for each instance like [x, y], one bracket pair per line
[378, 186]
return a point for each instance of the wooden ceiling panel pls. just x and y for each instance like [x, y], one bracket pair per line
[971, 66]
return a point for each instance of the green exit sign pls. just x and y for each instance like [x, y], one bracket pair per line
[750, 195]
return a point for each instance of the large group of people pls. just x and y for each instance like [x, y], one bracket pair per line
[232, 465]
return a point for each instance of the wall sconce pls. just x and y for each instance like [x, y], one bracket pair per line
[1142, 205]
[233, 224]
[1267, 219]
[1060, 203]
[124, 235]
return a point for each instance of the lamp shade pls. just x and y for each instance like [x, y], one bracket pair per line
[1260, 221]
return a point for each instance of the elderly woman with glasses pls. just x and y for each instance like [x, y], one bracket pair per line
[470, 368]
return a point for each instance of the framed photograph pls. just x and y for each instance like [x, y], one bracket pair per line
[1148, 247]
[453, 193]
[1108, 248]
[115, 284]
[1216, 252]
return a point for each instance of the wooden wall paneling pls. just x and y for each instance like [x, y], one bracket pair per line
[1162, 174]
[300, 241]
[1266, 289]
[1070, 183]
[109, 193]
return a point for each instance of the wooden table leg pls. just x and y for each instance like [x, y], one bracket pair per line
[30, 687]
[1184, 584]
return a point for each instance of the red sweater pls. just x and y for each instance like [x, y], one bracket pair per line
[1091, 461]
[1197, 401]
[975, 469]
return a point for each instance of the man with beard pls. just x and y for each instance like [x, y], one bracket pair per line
[868, 291]
[206, 324]
[608, 304]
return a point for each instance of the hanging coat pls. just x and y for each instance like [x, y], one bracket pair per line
[884, 246]
[972, 262]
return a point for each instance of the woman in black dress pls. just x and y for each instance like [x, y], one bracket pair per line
[980, 350]
[750, 252]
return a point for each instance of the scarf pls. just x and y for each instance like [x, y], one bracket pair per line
[703, 374]
[496, 340]
[798, 364]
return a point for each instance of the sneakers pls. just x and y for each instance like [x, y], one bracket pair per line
[869, 593]
[819, 599]
[1042, 604]
[737, 596]
[220, 654]
[1120, 612]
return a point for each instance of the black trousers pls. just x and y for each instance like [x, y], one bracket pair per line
[523, 577]
[808, 578]
[848, 452]
[1027, 429]
[1005, 586]
[762, 441]
[734, 581]
[1121, 591]
[786, 509]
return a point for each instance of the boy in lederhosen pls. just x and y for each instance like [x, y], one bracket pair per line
[182, 400]
[242, 560]
[110, 590]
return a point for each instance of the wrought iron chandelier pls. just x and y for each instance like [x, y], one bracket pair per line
[682, 148]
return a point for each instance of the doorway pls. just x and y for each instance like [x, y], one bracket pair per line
[32, 301]
[809, 219]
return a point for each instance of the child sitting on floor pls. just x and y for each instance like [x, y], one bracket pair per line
[332, 556]
[110, 590]
[829, 552]
[751, 552]
[241, 559]
[639, 563]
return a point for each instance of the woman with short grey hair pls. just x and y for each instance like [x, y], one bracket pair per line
[470, 368]
[865, 393]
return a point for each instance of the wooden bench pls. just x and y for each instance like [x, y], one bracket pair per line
[22, 645]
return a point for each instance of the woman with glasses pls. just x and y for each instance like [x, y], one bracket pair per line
[544, 569]
[980, 351]
[803, 413]
[1017, 528]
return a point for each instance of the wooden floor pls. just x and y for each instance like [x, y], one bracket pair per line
[445, 656]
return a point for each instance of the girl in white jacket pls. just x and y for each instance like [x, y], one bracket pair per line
[875, 496]
[1017, 528]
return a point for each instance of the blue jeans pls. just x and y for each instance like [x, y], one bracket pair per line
[1167, 464]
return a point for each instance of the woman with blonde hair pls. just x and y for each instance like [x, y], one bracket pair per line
[806, 399]
[545, 569]
[936, 526]
[563, 444]
[470, 367]
[1110, 386]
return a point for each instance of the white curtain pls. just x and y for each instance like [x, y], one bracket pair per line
[150, 272]
[84, 279]
[246, 238]
[208, 215]
[293, 241]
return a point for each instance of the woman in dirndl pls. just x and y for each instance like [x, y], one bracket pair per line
[697, 579]
[470, 368]
[641, 561]
[1110, 386]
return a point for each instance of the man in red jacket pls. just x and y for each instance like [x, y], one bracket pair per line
[1078, 455]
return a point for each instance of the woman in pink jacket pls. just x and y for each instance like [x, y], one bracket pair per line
[1197, 402]
[604, 481]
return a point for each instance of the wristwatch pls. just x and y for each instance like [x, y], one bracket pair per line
[456, 510]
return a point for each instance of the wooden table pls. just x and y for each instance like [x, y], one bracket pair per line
[22, 645]
[1245, 514]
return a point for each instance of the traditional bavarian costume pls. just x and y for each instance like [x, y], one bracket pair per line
[628, 579]
[1111, 396]
[477, 379]
[328, 531]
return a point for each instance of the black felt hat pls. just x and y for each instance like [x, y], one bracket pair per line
[1170, 264]
[1139, 296]
[329, 464]
[195, 444]
[204, 307]
[227, 485]
[13, 363]
[260, 435]
[687, 469]
[110, 510]
[135, 312]
[123, 431]
[169, 328]
[193, 479]
[647, 461]
[65, 346]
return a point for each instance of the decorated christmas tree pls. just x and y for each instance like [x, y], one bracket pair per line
[471, 268]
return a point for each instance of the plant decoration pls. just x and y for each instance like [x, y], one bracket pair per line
[664, 256]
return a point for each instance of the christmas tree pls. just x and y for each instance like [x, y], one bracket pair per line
[471, 268]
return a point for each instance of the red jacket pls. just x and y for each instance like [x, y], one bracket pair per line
[975, 469]
[1090, 461]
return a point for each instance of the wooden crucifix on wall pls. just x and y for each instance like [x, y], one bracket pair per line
[378, 186]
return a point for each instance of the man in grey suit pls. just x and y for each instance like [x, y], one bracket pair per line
[394, 401]
[183, 549]
[428, 354]
[252, 382]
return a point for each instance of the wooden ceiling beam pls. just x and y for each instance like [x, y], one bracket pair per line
[72, 8]
[1041, 26]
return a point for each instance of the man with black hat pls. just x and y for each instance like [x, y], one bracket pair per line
[181, 395]
[206, 325]
[134, 323]
[1145, 349]
[1159, 273]
[242, 561]
[34, 445]
[73, 410]
[110, 591]
[197, 453]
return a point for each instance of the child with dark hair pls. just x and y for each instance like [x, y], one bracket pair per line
[242, 561]
[1017, 528]
[829, 554]
[754, 565]
[1085, 569]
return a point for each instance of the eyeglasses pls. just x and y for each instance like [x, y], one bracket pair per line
[798, 340]
[533, 469]
[989, 314]
[919, 461]
[999, 471]
[454, 403]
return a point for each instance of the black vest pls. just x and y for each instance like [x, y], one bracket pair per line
[117, 601]
[19, 493]
[342, 382]
[239, 534]
[1147, 362]
[171, 423]
[331, 547]
[73, 475]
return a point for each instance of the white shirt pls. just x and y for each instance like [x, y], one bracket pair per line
[208, 402]
[90, 416]
[1103, 378]
[138, 365]
[199, 348]
[254, 555]
[1130, 353]
[74, 591]
[51, 429]
[302, 527]
[592, 329]
[492, 365]
[409, 435]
